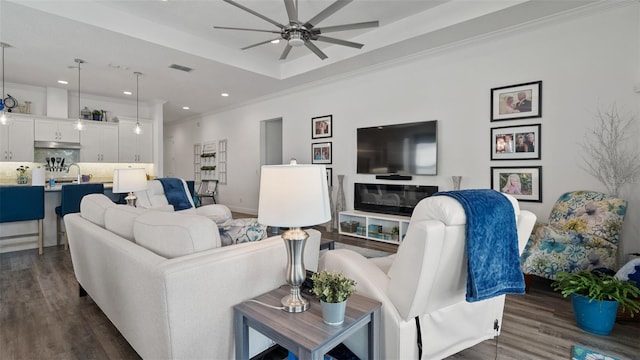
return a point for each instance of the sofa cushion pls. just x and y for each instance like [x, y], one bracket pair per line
[94, 206]
[119, 220]
[173, 235]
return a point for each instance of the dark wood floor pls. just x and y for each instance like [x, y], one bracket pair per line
[42, 317]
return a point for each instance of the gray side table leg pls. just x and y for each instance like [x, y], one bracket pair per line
[241, 332]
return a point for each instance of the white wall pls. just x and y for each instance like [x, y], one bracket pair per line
[584, 60]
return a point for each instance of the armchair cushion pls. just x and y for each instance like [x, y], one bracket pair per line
[582, 234]
[589, 212]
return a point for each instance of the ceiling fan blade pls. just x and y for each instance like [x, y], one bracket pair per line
[339, 42]
[285, 53]
[354, 26]
[292, 11]
[254, 13]
[339, 4]
[245, 29]
[258, 44]
[315, 49]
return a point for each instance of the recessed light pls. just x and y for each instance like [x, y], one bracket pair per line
[63, 82]
[127, 92]
[276, 41]
[185, 108]
[224, 94]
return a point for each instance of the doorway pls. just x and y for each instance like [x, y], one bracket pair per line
[271, 142]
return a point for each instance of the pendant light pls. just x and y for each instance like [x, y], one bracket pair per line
[79, 123]
[138, 128]
[5, 117]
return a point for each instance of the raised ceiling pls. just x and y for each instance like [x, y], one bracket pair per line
[117, 37]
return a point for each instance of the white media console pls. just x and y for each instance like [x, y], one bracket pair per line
[373, 226]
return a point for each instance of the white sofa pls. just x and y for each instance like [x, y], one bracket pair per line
[232, 231]
[164, 281]
[154, 198]
[426, 278]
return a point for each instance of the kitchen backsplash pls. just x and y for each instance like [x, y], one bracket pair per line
[102, 172]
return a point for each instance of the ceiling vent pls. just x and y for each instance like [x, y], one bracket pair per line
[180, 67]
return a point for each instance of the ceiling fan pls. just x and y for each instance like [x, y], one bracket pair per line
[298, 33]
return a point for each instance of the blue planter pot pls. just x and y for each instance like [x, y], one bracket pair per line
[596, 317]
[333, 313]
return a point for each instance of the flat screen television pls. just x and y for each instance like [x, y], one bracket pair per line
[404, 149]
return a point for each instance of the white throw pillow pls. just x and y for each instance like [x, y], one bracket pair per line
[173, 234]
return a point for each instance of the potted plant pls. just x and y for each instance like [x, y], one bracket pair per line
[21, 171]
[97, 115]
[395, 231]
[333, 290]
[595, 297]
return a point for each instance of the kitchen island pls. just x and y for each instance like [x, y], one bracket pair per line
[52, 198]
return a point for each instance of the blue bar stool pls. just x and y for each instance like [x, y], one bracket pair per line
[72, 194]
[22, 203]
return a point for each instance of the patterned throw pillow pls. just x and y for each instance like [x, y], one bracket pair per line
[236, 231]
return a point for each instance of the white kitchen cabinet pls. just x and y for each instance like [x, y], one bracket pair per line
[132, 147]
[16, 140]
[99, 142]
[57, 130]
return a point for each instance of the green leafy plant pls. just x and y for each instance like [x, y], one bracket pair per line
[332, 287]
[599, 286]
[22, 170]
[96, 112]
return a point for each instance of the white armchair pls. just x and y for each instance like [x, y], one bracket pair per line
[155, 198]
[426, 279]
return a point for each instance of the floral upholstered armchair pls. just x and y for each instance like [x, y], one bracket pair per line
[582, 234]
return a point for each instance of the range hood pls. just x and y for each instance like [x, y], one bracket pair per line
[55, 145]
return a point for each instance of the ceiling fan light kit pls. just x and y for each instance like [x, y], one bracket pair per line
[297, 33]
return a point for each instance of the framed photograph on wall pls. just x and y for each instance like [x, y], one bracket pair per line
[520, 142]
[321, 153]
[524, 183]
[330, 176]
[522, 101]
[321, 127]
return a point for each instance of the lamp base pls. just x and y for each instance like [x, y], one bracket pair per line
[293, 302]
[295, 239]
[131, 199]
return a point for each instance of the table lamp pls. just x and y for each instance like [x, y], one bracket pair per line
[129, 180]
[294, 196]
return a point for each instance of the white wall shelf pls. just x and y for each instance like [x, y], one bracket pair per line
[373, 226]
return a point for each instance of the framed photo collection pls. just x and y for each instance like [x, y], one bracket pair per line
[321, 127]
[524, 183]
[522, 101]
[520, 142]
[321, 153]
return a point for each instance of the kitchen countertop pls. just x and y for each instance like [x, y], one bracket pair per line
[58, 186]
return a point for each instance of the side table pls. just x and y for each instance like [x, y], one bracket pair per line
[327, 244]
[305, 334]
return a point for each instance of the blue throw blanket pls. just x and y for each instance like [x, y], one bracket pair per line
[492, 244]
[175, 193]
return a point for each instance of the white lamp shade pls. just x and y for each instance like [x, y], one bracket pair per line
[129, 180]
[293, 195]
